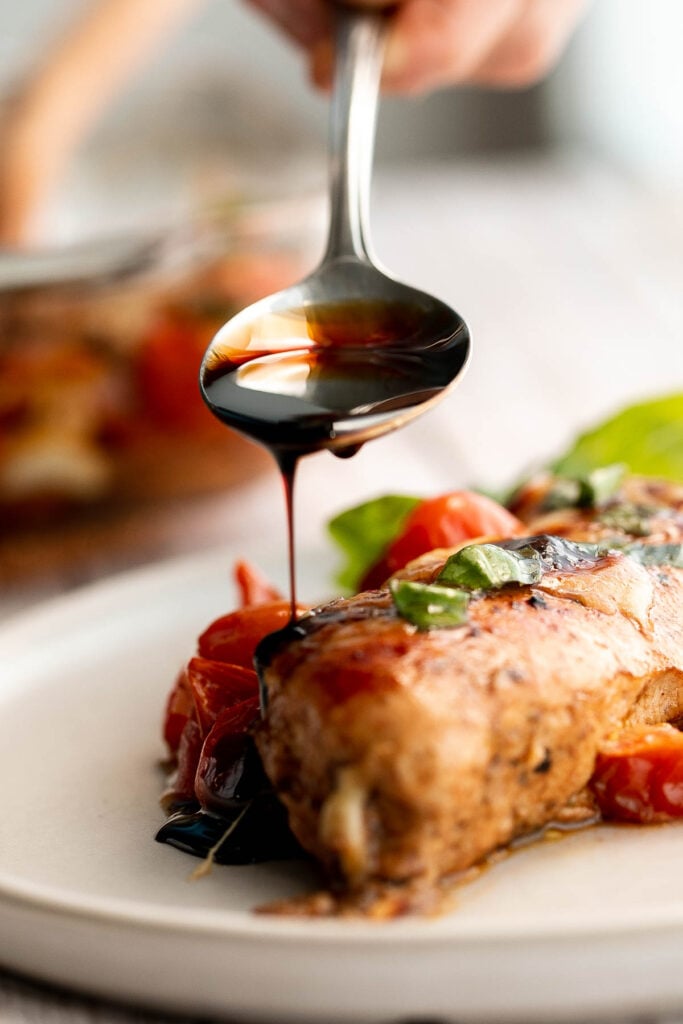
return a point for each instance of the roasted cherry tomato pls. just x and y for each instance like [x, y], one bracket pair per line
[639, 775]
[179, 710]
[182, 788]
[229, 771]
[215, 686]
[253, 587]
[443, 522]
[234, 637]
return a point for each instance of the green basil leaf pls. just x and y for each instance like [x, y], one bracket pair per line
[592, 490]
[564, 492]
[429, 606]
[648, 437]
[655, 554]
[489, 566]
[601, 484]
[364, 533]
[630, 518]
[522, 560]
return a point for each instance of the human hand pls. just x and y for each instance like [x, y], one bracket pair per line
[435, 43]
[64, 94]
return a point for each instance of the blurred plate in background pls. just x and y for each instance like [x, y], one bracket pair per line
[100, 345]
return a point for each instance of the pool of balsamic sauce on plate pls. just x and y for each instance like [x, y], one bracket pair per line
[286, 381]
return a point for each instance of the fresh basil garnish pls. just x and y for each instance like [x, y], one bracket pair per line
[364, 532]
[524, 561]
[655, 554]
[429, 606]
[521, 560]
[564, 492]
[489, 566]
[600, 485]
[629, 518]
[649, 436]
[589, 490]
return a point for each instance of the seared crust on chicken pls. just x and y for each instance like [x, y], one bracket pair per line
[404, 756]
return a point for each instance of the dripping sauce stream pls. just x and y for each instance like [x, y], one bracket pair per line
[288, 464]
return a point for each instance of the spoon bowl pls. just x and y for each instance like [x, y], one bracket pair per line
[349, 353]
[334, 361]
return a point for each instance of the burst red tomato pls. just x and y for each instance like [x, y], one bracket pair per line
[443, 522]
[179, 710]
[190, 746]
[233, 638]
[639, 775]
[253, 587]
[227, 757]
[215, 686]
[215, 701]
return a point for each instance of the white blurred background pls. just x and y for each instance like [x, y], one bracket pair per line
[227, 89]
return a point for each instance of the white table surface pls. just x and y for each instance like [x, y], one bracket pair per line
[570, 277]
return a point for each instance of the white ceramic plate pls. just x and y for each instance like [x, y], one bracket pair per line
[592, 924]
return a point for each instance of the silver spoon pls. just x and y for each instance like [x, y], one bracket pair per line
[349, 353]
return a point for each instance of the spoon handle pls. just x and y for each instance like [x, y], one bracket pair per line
[359, 51]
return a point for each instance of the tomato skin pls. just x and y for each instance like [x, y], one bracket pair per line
[215, 701]
[215, 686]
[638, 775]
[234, 637]
[443, 522]
[253, 587]
[182, 788]
[179, 710]
[227, 762]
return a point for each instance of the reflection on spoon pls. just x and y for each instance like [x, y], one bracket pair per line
[330, 375]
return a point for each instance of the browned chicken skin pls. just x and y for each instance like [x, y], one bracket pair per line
[405, 756]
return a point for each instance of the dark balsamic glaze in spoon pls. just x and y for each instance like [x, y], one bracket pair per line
[330, 376]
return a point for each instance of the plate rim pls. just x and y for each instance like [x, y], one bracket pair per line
[249, 924]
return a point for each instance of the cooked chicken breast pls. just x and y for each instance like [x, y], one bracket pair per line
[404, 756]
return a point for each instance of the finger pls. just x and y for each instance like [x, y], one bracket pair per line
[321, 67]
[306, 22]
[431, 42]
[532, 46]
[441, 42]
